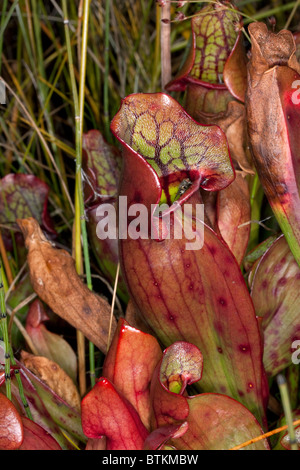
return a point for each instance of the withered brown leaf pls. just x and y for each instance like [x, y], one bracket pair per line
[53, 376]
[55, 280]
[273, 119]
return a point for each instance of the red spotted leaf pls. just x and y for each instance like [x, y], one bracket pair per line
[186, 293]
[36, 438]
[11, 426]
[275, 291]
[105, 412]
[201, 297]
[273, 117]
[129, 365]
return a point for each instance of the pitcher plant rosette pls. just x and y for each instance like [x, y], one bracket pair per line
[198, 296]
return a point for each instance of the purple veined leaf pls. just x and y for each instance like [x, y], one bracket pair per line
[129, 365]
[217, 58]
[155, 126]
[11, 426]
[36, 438]
[101, 166]
[275, 291]
[23, 196]
[48, 344]
[273, 118]
[47, 409]
[193, 295]
[105, 412]
[211, 421]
